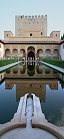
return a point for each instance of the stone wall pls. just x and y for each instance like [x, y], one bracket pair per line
[31, 26]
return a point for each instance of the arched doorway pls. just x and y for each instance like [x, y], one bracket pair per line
[31, 53]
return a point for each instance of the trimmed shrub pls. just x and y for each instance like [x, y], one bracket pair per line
[59, 63]
[4, 62]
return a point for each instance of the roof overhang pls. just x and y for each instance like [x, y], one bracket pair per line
[62, 41]
[2, 41]
[33, 42]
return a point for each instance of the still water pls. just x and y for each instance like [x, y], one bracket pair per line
[44, 82]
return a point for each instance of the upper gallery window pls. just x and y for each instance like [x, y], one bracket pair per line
[7, 35]
[30, 34]
[56, 35]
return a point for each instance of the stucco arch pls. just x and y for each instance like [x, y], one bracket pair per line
[56, 53]
[22, 53]
[39, 53]
[48, 53]
[14, 53]
[8, 53]
[31, 48]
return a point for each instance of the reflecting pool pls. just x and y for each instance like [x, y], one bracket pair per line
[35, 78]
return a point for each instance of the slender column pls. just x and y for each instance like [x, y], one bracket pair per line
[35, 53]
[18, 52]
[26, 53]
[11, 53]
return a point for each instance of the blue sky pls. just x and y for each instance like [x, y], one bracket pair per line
[54, 9]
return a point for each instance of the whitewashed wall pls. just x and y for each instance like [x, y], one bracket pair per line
[62, 51]
[1, 51]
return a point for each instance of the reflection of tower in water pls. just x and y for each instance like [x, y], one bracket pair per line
[27, 86]
[9, 85]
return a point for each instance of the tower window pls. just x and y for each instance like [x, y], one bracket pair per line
[41, 33]
[56, 35]
[30, 34]
[7, 35]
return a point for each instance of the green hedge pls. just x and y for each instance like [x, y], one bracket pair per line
[4, 62]
[59, 63]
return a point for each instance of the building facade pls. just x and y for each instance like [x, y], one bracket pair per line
[31, 40]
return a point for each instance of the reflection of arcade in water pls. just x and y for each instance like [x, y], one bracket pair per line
[31, 78]
[30, 70]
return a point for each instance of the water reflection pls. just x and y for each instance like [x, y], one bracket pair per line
[24, 78]
[31, 68]
[8, 71]
[39, 68]
[53, 108]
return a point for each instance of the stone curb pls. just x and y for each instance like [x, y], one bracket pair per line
[17, 121]
[8, 66]
[39, 121]
[10, 126]
[61, 70]
[49, 129]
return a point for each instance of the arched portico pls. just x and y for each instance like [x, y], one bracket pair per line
[31, 53]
